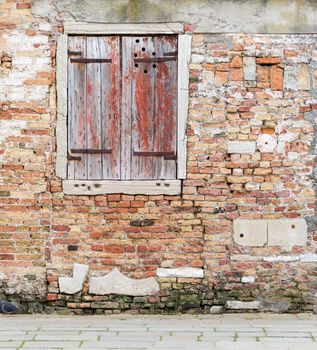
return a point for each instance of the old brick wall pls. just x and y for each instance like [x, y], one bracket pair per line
[241, 87]
[26, 74]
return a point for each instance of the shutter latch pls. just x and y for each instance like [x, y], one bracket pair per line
[167, 155]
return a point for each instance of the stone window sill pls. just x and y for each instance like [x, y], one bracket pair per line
[134, 187]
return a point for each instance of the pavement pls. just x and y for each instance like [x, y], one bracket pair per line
[201, 332]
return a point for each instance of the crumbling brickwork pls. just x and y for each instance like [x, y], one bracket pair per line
[251, 155]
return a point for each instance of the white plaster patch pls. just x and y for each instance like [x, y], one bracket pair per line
[287, 232]
[243, 305]
[116, 283]
[72, 285]
[186, 272]
[250, 232]
[266, 143]
[243, 147]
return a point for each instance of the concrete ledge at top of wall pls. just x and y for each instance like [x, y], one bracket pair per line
[280, 232]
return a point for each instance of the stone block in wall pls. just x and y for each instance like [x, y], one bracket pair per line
[266, 143]
[242, 305]
[185, 272]
[287, 232]
[116, 283]
[72, 285]
[250, 232]
[290, 78]
[258, 233]
[242, 147]
[249, 66]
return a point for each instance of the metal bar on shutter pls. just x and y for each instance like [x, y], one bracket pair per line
[74, 53]
[91, 151]
[166, 155]
[155, 59]
[90, 60]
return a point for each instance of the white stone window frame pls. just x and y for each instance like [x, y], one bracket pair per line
[147, 187]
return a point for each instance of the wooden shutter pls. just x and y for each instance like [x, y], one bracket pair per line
[122, 109]
[94, 97]
[149, 108]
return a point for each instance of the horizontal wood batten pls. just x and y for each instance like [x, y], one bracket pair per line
[123, 28]
[146, 187]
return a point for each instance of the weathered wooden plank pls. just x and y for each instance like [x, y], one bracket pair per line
[61, 125]
[77, 169]
[143, 82]
[110, 106]
[123, 28]
[147, 187]
[184, 49]
[126, 107]
[93, 109]
[165, 107]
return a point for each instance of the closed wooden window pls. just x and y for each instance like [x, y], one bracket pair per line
[122, 107]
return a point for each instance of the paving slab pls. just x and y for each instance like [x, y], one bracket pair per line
[180, 332]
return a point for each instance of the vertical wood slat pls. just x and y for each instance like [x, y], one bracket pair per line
[110, 106]
[126, 117]
[165, 107]
[142, 109]
[154, 108]
[93, 109]
[77, 109]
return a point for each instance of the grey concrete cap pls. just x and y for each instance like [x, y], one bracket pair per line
[186, 272]
[287, 232]
[250, 232]
[243, 147]
[72, 285]
[116, 283]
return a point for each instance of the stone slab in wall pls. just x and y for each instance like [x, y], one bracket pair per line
[72, 285]
[242, 147]
[186, 272]
[116, 283]
[287, 232]
[258, 233]
[250, 232]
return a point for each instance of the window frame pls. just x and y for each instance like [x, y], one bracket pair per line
[93, 187]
